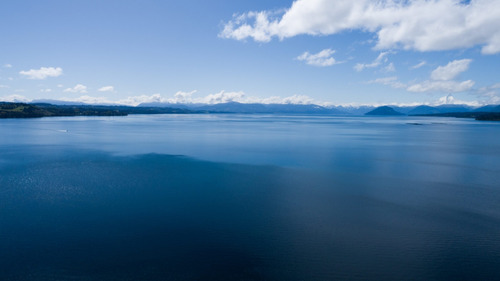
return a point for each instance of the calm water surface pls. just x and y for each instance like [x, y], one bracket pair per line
[249, 197]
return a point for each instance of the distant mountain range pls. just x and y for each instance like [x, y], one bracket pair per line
[42, 108]
[448, 108]
[489, 112]
[235, 107]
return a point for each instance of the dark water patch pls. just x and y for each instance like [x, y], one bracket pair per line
[93, 216]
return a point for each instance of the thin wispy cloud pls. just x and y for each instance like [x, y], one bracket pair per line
[491, 93]
[106, 89]
[389, 81]
[390, 67]
[419, 65]
[442, 86]
[322, 58]
[382, 58]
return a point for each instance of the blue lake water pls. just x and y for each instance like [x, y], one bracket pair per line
[249, 197]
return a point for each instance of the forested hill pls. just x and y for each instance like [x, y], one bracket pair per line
[23, 110]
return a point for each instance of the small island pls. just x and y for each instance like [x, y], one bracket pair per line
[384, 111]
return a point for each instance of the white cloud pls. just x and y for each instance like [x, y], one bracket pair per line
[187, 98]
[442, 86]
[323, 58]
[42, 73]
[79, 88]
[136, 100]
[296, 99]
[223, 97]
[451, 70]
[264, 26]
[3, 86]
[179, 97]
[220, 97]
[183, 97]
[442, 79]
[413, 24]
[7, 65]
[59, 85]
[449, 99]
[382, 58]
[88, 99]
[241, 97]
[106, 89]
[46, 90]
[10, 78]
[419, 65]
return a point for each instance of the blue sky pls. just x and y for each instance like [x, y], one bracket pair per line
[327, 52]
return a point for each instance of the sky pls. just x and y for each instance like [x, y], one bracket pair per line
[328, 52]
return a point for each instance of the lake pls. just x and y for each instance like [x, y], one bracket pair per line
[249, 197]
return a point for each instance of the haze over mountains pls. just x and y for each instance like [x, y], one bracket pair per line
[236, 107]
[46, 109]
[490, 112]
[431, 110]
